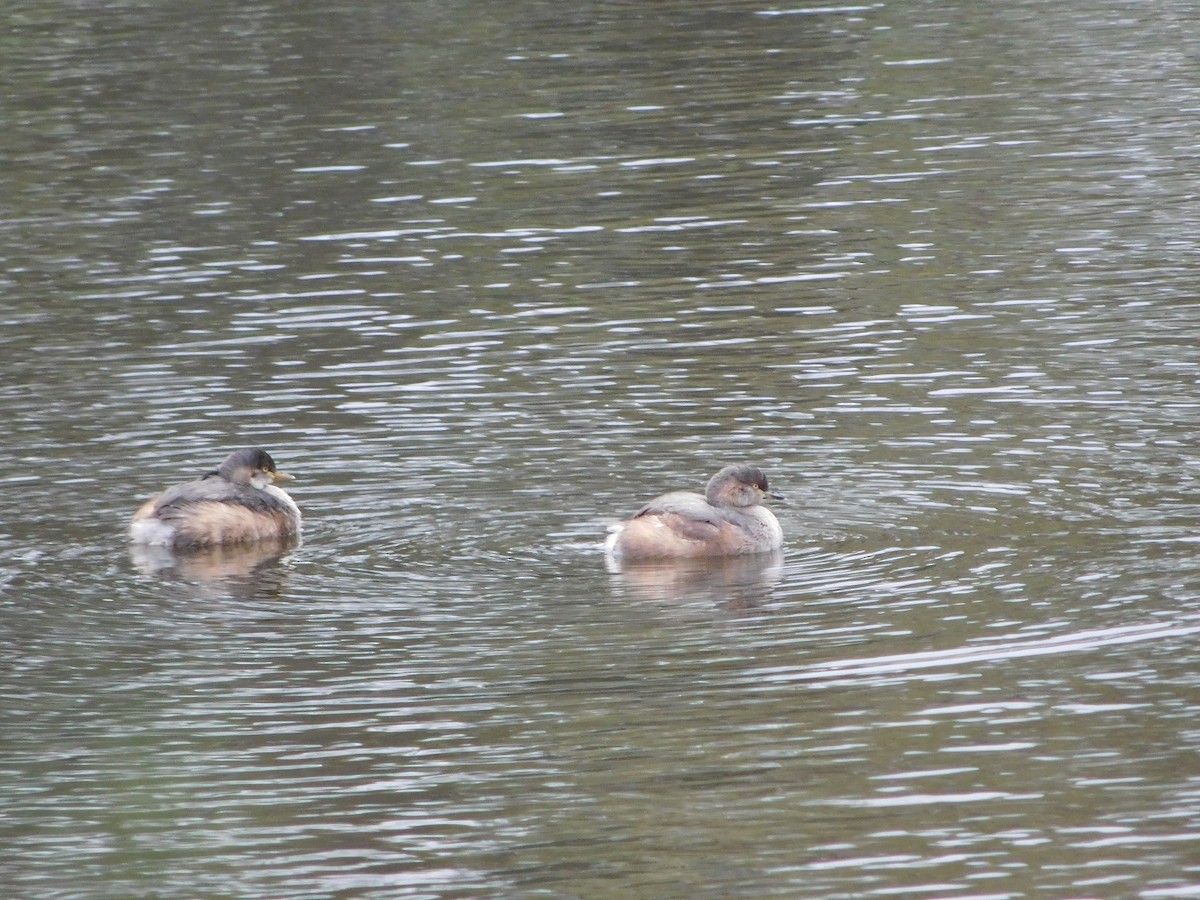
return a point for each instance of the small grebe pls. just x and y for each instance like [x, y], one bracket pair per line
[726, 520]
[238, 503]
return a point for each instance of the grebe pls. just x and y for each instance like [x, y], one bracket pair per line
[238, 503]
[726, 520]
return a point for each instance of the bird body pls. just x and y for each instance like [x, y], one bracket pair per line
[726, 520]
[238, 503]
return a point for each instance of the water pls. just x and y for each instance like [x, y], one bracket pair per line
[486, 276]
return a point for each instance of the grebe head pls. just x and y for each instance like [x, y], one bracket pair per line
[739, 485]
[252, 467]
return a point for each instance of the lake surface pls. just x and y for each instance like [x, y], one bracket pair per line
[486, 277]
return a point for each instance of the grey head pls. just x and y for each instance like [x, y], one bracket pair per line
[739, 485]
[252, 466]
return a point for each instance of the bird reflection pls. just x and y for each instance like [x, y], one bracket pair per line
[244, 569]
[734, 583]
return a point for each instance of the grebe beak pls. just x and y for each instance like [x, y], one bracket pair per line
[281, 476]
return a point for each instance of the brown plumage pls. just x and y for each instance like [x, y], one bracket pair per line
[238, 503]
[726, 520]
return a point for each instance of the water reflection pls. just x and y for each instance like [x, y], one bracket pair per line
[737, 584]
[245, 570]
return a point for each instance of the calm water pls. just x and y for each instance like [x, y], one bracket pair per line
[485, 276]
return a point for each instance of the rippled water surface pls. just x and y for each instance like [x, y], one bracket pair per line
[485, 277]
